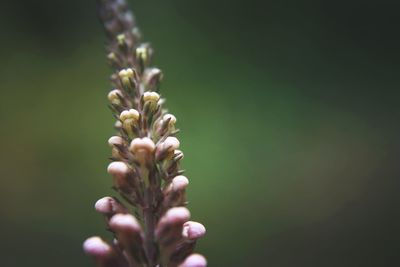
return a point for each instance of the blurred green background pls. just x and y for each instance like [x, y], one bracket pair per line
[289, 116]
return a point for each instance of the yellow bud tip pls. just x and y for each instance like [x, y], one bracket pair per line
[151, 97]
[114, 96]
[129, 114]
[126, 73]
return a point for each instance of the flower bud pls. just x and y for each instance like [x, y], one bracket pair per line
[127, 76]
[170, 226]
[118, 145]
[109, 206]
[171, 118]
[118, 125]
[142, 149]
[113, 59]
[129, 234]
[123, 176]
[194, 260]
[179, 183]
[150, 102]
[121, 38]
[129, 120]
[143, 55]
[96, 247]
[166, 148]
[151, 97]
[171, 143]
[116, 141]
[152, 79]
[132, 114]
[125, 223]
[193, 230]
[115, 97]
[118, 168]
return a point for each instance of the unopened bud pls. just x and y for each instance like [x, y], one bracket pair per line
[194, 260]
[152, 97]
[96, 247]
[142, 149]
[115, 97]
[166, 148]
[171, 143]
[124, 223]
[145, 143]
[173, 216]
[116, 141]
[179, 183]
[129, 234]
[193, 230]
[118, 169]
[113, 59]
[129, 120]
[127, 76]
[143, 54]
[171, 118]
[129, 114]
[121, 39]
[152, 79]
[109, 206]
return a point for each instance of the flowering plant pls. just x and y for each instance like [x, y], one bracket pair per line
[150, 223]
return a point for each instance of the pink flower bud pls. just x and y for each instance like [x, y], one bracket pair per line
[193, 230]
[125, 223]
[179, 183]
[176, 215]
[194, 260]
[96, 247]
[109, 206]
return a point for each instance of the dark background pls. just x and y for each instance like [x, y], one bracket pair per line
[289, 112]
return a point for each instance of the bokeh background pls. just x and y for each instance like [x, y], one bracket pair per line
[289, 112]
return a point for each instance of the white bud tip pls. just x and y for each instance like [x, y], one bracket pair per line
[194, 260]
[124, 222]
[151, 96]
[142, 143]
[115, 140]
[177, 214]
[96, 247]
[172, 118]
[118, 168]
[193, 230]
[180, 182]
[171, 142]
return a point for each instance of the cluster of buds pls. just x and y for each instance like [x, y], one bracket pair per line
[150, 223]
